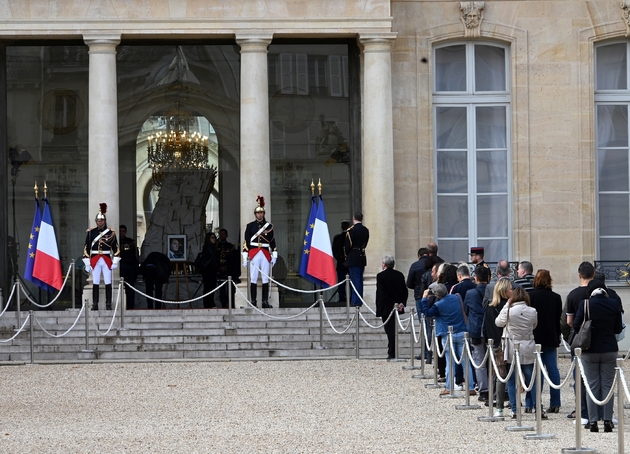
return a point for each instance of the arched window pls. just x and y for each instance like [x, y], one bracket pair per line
[471, 111]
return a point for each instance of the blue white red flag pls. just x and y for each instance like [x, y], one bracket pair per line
[306, 248]
[47, 267]
[32, 249]
[321, 264]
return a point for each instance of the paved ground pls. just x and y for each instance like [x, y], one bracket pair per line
[328, 406]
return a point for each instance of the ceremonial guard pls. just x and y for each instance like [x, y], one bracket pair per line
[259, 246]
[357, 237]
[476, 256]
[129, 264]
[100, 256]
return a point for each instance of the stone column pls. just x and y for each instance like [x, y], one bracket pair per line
[103, 128]
[255, 162]
[377, 159]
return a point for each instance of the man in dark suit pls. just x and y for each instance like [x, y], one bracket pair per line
[339, 255]
[357, 238]
[391, 291]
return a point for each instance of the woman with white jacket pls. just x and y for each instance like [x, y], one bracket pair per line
[518, 320]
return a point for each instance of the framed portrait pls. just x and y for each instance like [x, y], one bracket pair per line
[176, 248]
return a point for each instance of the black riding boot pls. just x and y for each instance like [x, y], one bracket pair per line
[108, 297]
[253, 288]
[95, 297]
[265, 296]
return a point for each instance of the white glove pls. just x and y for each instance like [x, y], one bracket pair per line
[274, 257]
[244, 254]
[115, 263]
[88, 266]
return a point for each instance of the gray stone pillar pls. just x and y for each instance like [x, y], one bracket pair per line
[255, 163]
[103, 127]
[378, 149]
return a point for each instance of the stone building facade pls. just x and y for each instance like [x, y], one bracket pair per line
[490, 123]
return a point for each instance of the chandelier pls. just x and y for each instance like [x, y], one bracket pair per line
[176, 151]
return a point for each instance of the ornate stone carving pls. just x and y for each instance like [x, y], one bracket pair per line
[625, 13]
[471, 17]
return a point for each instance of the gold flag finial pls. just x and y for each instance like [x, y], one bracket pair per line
[319, 186]
[45, 190]
[312, 188]
[36, 189]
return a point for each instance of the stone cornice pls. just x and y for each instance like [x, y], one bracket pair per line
[203, 27]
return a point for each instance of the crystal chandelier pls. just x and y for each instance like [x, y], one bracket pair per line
[176, 151]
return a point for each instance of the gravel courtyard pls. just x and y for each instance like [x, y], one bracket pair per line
[327, 406]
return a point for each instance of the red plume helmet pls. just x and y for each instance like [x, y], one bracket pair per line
[101, 212]
[261, 205]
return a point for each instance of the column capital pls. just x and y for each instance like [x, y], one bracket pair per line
[254, 42]
[377, 42]
[102, 43]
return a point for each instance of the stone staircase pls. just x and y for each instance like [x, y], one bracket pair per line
[193, 334]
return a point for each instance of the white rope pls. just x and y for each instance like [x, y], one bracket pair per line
[379, 326]
[474, 365]
[69, 329]
[272, 316]
[624, 358]
[437, 346]
[461, 358]
[413, 329]
[566, 346]
[113, 314]
[521, 377]
[622, 377]
[8, 301]
[497, 374]
[279, 284]
[331, 325]
[546, 375]
[427, 344]
[19, 331]
[55, 298]
[611, 392]
[408, 320]
[176, 302]
[361, 298]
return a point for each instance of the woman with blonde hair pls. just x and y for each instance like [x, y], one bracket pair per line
[519, 320]
[492, 331]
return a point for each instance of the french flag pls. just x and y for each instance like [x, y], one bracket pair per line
[32, 249]
[47, 267]
[321, 264]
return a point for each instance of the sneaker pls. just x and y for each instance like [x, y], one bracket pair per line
[614, 420]
[458, 387]
[583, 421]
[498, 413]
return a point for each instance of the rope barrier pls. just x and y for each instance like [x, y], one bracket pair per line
[279, 284]
[391, 314]
[19, 330]
[331, 325]
[521, 377]
[268, 315]
[622, 377]
[114, 312]
[175, 302]
[475, 365]
[611, 392]
[55, 298]
[361, 298]
[69, 329]
[6, 306]
[408, 320]
[546, 375]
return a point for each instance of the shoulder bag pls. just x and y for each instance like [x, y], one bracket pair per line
[582, 338]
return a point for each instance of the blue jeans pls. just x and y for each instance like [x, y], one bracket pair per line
[550, 360]
[530, 399]
[458, 346]
[356, 276]
[427, 327]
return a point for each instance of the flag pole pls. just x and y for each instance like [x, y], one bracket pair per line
[312, 196]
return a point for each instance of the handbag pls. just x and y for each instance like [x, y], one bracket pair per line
[500, 360]
[582, 338]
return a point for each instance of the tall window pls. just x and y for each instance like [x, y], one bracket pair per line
[612, 98]
[471, 107]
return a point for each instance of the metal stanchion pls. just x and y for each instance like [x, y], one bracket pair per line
[123, 306]
[490, 417]
[412, 340]
[357, 317]
[73, 282]
[230, 301]
[347, 284]
[31, 329]
[321, 322]
[87, 327]
[620, 401]
[451, 368]
[578, 408]
[466, 362]
[434, 353]
[519, 427]
[397, 358]
[538, 435]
